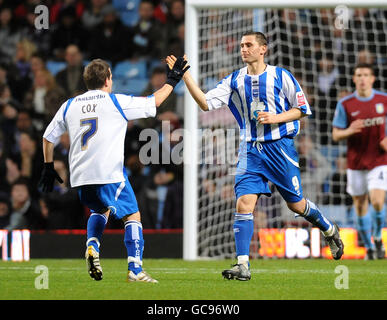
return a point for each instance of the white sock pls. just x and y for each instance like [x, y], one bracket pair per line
[330, 231]
[243, 260]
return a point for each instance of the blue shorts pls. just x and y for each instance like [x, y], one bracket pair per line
[118, 197]
[274, 161]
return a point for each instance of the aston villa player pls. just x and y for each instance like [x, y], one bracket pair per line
[360, 118]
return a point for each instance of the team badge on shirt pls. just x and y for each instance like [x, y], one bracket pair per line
[379, 107]
[256, 106]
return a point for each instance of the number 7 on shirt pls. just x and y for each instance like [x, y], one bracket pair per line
[92, 124]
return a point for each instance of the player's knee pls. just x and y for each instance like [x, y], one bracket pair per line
[297, 207]
[377, 199]
[246, 203]
[377, 204]
[361, 204]
[134, 216]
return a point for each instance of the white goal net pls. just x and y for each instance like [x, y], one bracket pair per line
[320, 47]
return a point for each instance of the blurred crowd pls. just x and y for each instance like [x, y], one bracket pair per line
[41, 68]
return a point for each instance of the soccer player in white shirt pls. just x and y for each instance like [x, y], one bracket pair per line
[267, 103]
[96, 122]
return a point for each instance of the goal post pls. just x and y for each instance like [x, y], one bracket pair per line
[238, 17]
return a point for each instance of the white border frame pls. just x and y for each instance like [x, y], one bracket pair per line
[191, 109]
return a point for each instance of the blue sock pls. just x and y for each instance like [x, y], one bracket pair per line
[243, 233]
[378, 221]
[364, 227]
[95, 227]
[314, 216]
[134, 243]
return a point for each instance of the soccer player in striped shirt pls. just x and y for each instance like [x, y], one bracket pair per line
[360, 118]
[97, 122]
[267, 102]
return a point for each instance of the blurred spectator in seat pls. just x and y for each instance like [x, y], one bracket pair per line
[176, 45]
[161, 10]
[8, 114]
[175, 18]
[10, 35]
[93, 14]
[21, 123]
[59, 5]
[328, 74]
[37, 63]
[61, 208]
[110, 40]
[156, 81]
[6, 98]
[21, 68]
[4, 183]
[25, 213]
[68, 31]
[24, 51]
[44, 98]
[147, 34]
[23, 7]
[3, 73]
[29, 160]
[71, 78]
[5, 209]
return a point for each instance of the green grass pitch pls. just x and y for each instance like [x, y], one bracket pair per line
[199, 280]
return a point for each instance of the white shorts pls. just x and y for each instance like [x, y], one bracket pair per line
[360, 182]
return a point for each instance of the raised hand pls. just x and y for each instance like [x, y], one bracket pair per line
[177, 68]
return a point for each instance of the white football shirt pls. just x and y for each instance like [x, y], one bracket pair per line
[97, 122]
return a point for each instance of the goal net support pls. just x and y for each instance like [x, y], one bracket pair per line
[320, 44]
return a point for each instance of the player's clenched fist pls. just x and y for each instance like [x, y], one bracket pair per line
[177, 68]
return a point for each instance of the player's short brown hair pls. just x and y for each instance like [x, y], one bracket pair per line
[261, 38]
[364, 65]
[96, 73]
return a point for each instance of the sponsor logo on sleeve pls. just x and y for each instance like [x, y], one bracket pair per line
[300, 99]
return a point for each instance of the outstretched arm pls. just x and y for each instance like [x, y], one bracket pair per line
[162, 94]
[196, 93]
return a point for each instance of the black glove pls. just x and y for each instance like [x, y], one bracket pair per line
[48, 177]
[175, 74]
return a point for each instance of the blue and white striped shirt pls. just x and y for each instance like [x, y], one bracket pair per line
[275, 91]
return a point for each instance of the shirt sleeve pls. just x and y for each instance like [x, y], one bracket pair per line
[137, 107]
[57, 126]
[220, 95]
[340, 119]
[294, 93]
